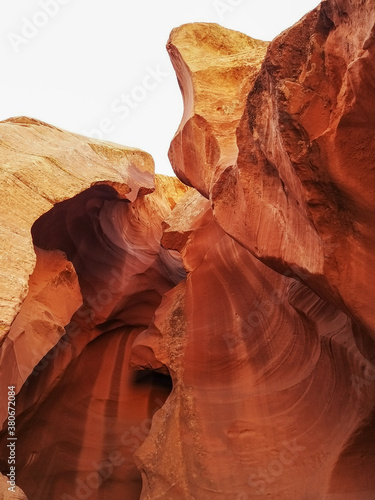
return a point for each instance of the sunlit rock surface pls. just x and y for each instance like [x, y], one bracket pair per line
[211, 342]
[298, 190]
[216, 68]
[40, 166]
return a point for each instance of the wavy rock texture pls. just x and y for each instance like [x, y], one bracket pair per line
[286, 192]
[266, 376]
[309, 121]
[306, 128]
[100, 273]
[214, 343]
[41, 166]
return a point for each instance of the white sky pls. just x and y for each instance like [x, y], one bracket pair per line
[82, 65]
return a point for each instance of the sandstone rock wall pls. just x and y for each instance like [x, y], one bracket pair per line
[214, 341]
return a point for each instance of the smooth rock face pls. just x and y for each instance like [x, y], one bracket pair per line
[100, 273]
[91, 423]
[309, 121]
[307, 127]
[216, 68]
[214, 342]
[288, 194]
[42, 165]
[266, 376]
[54, 296]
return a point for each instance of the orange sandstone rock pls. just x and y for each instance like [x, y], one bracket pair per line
[267, 380]
[215, 68]
[289, 195]
[214, 343]
[305, 149]
[300, 192]
[100, 273]
[16, 494]
[40, 166]
[53, 297]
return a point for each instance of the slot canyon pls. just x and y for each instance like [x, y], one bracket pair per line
[209, 336]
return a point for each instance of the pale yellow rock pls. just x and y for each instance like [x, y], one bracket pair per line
[216, 68]
[5, 494]
[42, 165]
[170, 189]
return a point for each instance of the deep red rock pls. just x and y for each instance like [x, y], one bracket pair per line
[267, 380]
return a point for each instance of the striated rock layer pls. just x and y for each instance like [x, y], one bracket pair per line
[286, 192]
[41, 166]
[306, 128]
[100, 273]
[268, 390]
[213, 342]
